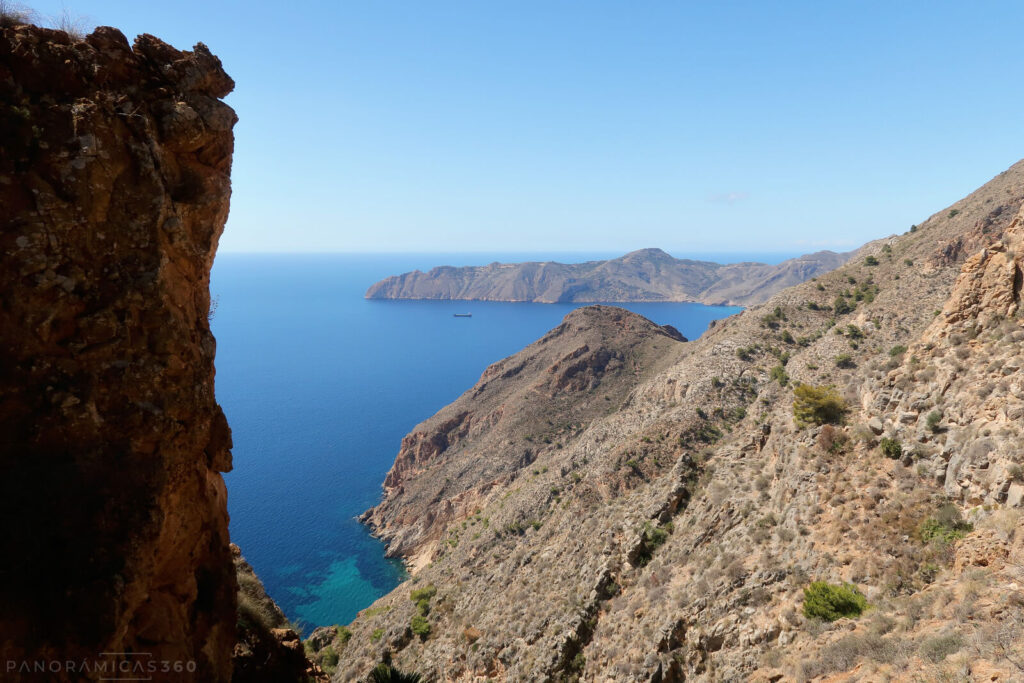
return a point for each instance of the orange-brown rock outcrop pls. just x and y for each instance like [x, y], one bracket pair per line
[114, 186]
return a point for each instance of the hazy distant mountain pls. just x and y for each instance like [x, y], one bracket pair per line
[643, 275]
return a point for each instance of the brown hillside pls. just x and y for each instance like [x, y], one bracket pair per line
[672, 537]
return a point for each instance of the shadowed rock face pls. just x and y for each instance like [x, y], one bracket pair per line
[114, 189]
[644, 275]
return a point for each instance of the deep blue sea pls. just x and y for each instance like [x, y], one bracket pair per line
[320, 385]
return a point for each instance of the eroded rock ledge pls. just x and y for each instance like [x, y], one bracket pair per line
[114, 188]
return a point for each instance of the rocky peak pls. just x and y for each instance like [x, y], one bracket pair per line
[650, 254]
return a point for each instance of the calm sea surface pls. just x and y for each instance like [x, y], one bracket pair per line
[320, 386]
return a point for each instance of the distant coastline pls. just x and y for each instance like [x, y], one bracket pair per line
[646, 275]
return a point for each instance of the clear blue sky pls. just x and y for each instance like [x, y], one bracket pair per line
[547, 125]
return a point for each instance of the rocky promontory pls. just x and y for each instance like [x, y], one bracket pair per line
[521, 407]
[644, 275]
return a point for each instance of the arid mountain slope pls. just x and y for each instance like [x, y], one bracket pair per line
[644, 275]
[672, 538]
[525, 404]
[114, 187]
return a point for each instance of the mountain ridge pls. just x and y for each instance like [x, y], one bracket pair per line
[643, 275]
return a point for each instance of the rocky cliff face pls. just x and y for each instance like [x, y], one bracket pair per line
[962, 396]
[644, 275]
[671, 536]
[114, 187]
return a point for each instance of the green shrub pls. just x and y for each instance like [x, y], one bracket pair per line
[823, 600]
[422, 596]
[897, 350]
[656, 535]
[817, 405]
[865, 292]
[653, 537]
[841, 306]
[328, 659]
[772, 319]
[939, 647]
[929, 571]
[832, 440]
[377, 634]
[344, 634]
[844, 360]
[255, 612]
[891, 448]
[946, 526]
[779, 375]
[870, 261]
[1015, 472]
[420, 626]
[384, 673]
[934, 418]
[425, 593]
[707, 433]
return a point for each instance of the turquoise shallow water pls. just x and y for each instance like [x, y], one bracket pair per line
[320, 386]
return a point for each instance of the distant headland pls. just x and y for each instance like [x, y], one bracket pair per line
[643, 275]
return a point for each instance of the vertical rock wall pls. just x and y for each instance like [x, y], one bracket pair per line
[114, 189]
